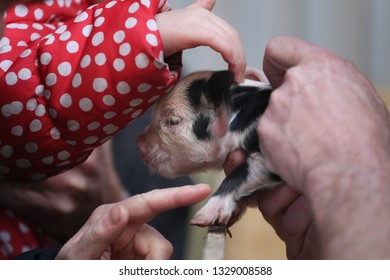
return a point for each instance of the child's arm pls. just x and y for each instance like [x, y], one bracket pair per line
[67, 89]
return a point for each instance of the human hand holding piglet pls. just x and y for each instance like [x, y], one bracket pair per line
[326, 132]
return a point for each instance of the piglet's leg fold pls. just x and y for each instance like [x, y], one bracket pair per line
[222, 208]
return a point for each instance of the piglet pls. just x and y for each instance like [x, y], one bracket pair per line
[203, 118]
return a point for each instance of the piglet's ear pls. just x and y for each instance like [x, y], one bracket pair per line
[217, 93]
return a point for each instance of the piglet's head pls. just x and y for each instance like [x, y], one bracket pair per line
[188, 126]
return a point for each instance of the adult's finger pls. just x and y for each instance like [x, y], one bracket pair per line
[151, 245]
[143, 207]
[234, 159]
[96, 235]
[205, 4]
[273, 203]
[282, 53]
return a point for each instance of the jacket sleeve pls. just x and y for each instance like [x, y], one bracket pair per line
[69, 85]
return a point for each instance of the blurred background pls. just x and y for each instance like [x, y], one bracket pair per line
[358, 30]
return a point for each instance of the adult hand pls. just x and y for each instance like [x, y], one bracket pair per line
[119, 230]
[326, 132]
[317, 113]
[196, 26]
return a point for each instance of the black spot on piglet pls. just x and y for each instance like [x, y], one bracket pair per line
[200, 127]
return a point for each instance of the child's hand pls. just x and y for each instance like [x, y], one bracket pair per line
[196, 26]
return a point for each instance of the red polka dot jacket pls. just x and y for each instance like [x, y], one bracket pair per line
[72, 74]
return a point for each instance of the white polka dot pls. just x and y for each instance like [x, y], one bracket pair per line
[34, 36]
[5, 65]
[123, 88]
[35, 125]
[21, 10]
[146, 3]
[26, 53]
[73, 125]
[119, 64]
[31, 147]
[11, 79]
[124, 49]
[47, 94]
[51, 79]
[45, 58]
[77, 80]
[99, 21]
[109, 115]
[64, 163]
[100, 59]
[38, 14]
[40, 110]
[53, 113]
[97, 39]
[72, 47]
[110, 4]
[109, 100]
[142, 61]
[93, 126]
[81, 17]
[87, 30]
[37, 26]
[23, 228]
[130, 22]
[98, 12]
[85, 104]
[136, 102]
[90, 140]
[152, 25]
[65, 68]
[65, 36]
[136, 114]
[48, 160]
[55, 133]
[24, 74]
[63, 155]
[100, 84]
[5, 49]
[21, 26]
[50, 40]
[61, 29]
[119, 36]
[39, 90]
[110, 129]
[23, 163]
[14, 108]
[66, 100]
[86, 61]
[152, 40]
[134, 8]
[144, 87]
[5, 236]
[7, 151]
[31, 104]
[71, 142]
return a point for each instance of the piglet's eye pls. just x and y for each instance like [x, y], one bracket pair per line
[174, 120]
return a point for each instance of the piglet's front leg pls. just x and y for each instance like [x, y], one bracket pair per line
[223, 208]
